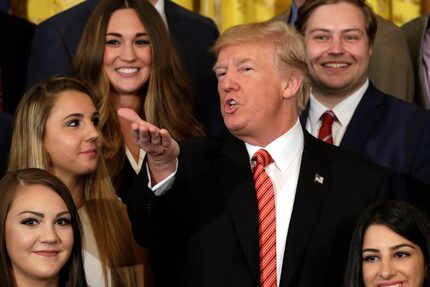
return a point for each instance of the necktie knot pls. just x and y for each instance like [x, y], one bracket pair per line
[325, 132]
[328, 117]
[262, 157]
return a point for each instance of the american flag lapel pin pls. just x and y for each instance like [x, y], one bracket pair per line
[319, 178]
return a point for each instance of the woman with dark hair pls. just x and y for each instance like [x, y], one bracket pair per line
[390, 247]
[40, 242]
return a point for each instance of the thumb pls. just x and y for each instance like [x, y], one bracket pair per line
[129, 115]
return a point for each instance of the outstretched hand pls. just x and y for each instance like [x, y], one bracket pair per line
[161, 149]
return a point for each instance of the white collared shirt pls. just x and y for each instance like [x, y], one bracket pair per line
[160, 8]
[343, 111]
[286, 152]
[135, 165]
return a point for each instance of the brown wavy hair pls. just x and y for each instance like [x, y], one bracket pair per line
[167, 96]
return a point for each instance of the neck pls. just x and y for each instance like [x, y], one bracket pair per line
[76, 186]
[129, 101]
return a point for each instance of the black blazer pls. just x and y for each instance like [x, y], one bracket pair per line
[56, 41]
[393, 134]
[15, 46]
[5, 139]
[209, 217]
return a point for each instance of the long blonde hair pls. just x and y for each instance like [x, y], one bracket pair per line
[103, 206]
[166, 97]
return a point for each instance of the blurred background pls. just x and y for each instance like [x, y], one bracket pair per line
[224, 12]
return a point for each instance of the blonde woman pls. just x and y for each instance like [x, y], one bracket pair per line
[56, 129]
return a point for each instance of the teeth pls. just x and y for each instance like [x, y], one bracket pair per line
[232, 103]
[394, 285]
[127, 70]
[335, 65]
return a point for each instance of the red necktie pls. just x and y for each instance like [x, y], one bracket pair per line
[325, 133]
[266, 219]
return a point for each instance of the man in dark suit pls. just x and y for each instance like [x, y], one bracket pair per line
[390, 68]
[394, 134]
[203, 201]
[56, 41]
[5, 139]
[14, 53]
[417, 34]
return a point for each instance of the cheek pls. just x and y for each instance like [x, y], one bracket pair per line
[18, 242]
[369, 273]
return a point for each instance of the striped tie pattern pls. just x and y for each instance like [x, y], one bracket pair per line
[325, 133]
[266, 219]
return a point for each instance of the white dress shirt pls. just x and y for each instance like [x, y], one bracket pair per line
[343, 111]
[160, 8]
[286, 152]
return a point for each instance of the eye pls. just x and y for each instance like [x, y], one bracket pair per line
[351, 37]
[220, 73]
[401, 254]
[96, 120]
[370, 258]
[142, 42]
[62, 221]
[29, 222]
[320, 37]
[73, 123]
[246, 68]
[112, 42]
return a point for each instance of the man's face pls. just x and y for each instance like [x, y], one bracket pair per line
[251, 89]
[337, 48]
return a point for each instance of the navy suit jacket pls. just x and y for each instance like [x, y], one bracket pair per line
[393, 134]
[5, 138]
[15, 46]
[209, 216]
[56, 40]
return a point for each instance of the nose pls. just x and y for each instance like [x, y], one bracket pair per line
[336, 46]
[49, 234]
[92, 133]
[387, 271]
[128, 53]
[228, 83]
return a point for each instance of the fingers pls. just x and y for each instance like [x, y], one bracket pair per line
[129, 115]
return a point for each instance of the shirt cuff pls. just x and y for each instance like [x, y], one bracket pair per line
[163, 186]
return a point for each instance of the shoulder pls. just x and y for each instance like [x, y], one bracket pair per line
[76, 14]
[174, 10]
[416, 24]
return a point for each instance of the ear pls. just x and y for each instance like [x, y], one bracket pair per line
[291, 84]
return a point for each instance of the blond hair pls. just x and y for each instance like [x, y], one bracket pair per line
[289, 49]
[102, 204]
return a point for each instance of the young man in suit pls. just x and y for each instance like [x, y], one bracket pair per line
[390, 68]
[56, 40]
[418, 36]
[203, 201]
[394, 134]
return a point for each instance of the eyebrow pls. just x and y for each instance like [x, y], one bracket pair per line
[38, 214]
[120, 35]
[236, 62]
[74, 116]
[395, 247]
[343, 31]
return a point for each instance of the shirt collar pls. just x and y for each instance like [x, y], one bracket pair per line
[284, 149]
[160, 8]
[343, 110]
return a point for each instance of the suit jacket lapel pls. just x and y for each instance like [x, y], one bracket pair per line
[366, 117]
[237, 183]
[310, 195]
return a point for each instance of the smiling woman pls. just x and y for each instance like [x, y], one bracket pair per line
[56, 129]
[40, 242]
[390, 247]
